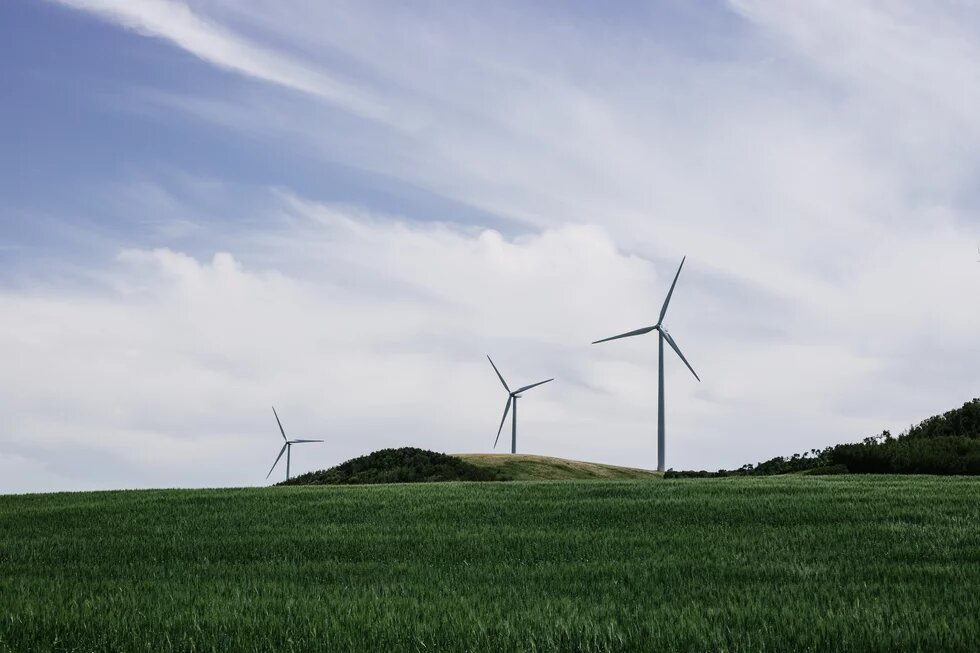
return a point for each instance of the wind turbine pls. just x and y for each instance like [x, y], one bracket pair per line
[664, 336]
[512, 397]
[286, 448]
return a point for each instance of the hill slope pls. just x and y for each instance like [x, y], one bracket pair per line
[526, 467]
[411, 465]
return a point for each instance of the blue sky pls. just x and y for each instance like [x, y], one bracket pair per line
[74, 118]
[207, 207]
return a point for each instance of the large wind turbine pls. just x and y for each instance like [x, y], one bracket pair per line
[286, 448]
[664, 336]
[512, 397]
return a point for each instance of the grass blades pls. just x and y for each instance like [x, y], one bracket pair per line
[844, 563]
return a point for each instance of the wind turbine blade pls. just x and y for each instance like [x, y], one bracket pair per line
[281, 452]
[502, 420]
[528, 387]
[279, 423]
[663, 311]
[673, 345]
[295, 441]
[499, 376]
[638, 332]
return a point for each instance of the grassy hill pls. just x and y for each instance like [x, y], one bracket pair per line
[847, 563]
[412, 465]
[526, 467]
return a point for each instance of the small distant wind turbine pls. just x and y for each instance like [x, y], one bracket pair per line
[512, 397]
[664, 335]
[286, 448]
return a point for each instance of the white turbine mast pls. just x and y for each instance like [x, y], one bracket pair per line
[512, 397]
[664, 337]
[286, 448]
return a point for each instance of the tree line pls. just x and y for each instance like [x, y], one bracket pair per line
[943, 444]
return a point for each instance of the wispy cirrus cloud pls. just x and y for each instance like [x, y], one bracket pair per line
[222, 47]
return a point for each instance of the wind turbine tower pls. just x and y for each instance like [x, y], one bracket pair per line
[664, 337]
[286, 448]
[512, 397]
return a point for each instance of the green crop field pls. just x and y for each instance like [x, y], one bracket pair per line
[843, 563]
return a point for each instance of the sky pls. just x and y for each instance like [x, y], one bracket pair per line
[211, 207]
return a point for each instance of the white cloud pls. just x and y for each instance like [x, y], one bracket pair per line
[817, 166]
[179, 24]
[173, 364]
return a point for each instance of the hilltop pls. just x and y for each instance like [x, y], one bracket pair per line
[412, 465]
[943, 444]
[527, 467]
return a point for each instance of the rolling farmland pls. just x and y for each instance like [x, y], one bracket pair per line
[851, 563]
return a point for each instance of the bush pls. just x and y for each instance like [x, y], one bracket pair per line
[912, 455]
[960, 422]
[828, 470]
[405, 465]
[670, 473]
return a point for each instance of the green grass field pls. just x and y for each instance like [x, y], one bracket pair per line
[799, 563]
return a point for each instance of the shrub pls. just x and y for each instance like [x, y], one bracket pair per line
[828, 470]
[404, 465]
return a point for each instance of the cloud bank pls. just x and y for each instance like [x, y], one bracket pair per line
[817, 165]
